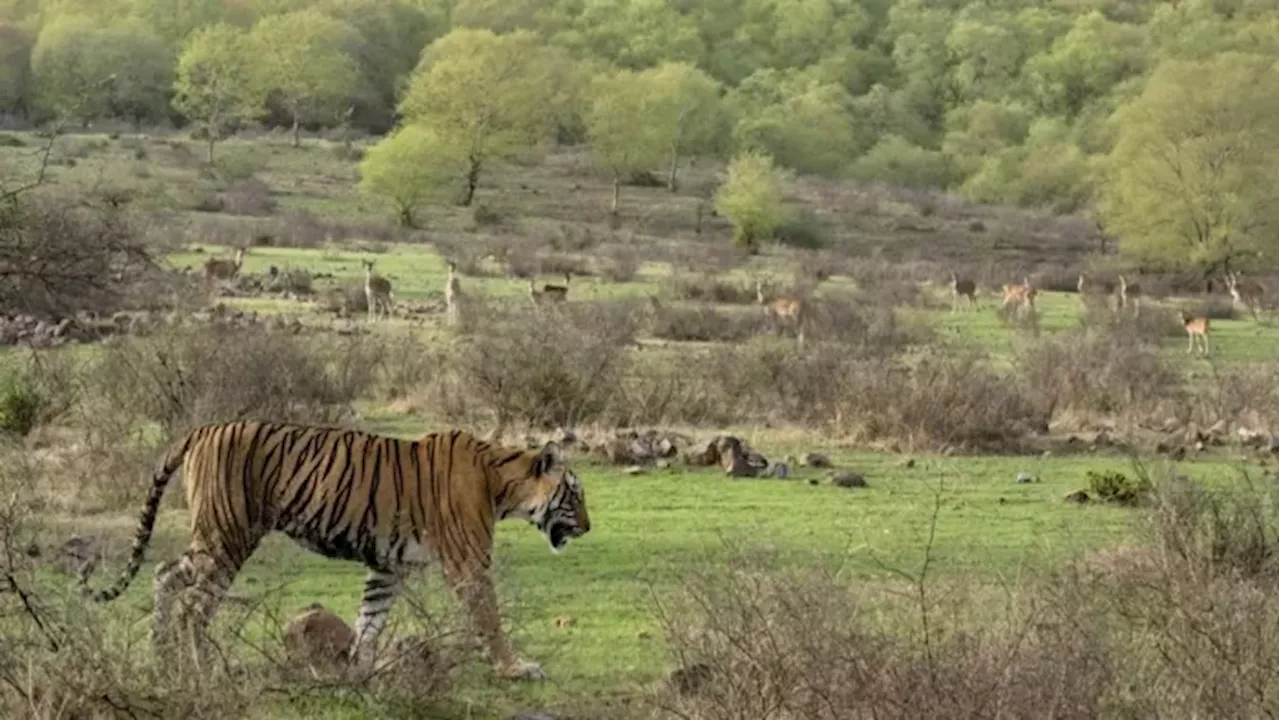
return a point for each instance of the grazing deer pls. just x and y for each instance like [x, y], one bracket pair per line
[787, 307]
[1246, 293]
[963, 287]
[1197, 327]
[543, 297]
[1022, 294]
[1130, 294]
[452, 293]
[560, 291]
[223, 269]
[377, 292]
[1092, 291]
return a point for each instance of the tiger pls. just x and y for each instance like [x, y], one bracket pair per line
[392, 504]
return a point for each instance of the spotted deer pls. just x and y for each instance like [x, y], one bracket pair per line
[1245, 293]
[1022, 295]
[1130, 295]
[452, 293]
[377, 292]
[560, 291]
[542, 297]
[1197, 327]
[1093, 290]
[786, 309]
[222, 268]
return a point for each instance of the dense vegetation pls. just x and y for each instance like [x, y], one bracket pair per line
[1158, 115]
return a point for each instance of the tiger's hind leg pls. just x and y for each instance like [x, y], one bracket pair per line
[188, 592]
[171, 580]
[380, 590]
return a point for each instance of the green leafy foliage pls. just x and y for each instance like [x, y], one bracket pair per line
[1192, 181]
[752, 199]
[411, 167]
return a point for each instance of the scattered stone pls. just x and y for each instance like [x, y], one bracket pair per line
[1178, 453]
[848, 480]
[813, 481]
[1200, 446]
[908, 463]
[779, 470]
[634, 470]
[662, 464]
[318, 639]
[1079, 497]
[690, 679]
[817, 460]
[1024, 478]
[563, 621]
[532, 716]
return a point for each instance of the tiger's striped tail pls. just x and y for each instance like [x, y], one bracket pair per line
[146, 522]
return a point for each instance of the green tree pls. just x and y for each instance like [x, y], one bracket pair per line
[174, 20]
[69, 70]
[301, 60]
[142, 70]
[216, 87]
[413, 166]
[1086, 63]
[687, 112]
[1192, 180]
[752, 199]
[492, 95]
[15, 69]
[623, 126]
[803, 124]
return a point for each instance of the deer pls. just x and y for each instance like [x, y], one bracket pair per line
[543, 297]
[1023, 294]
[962, 287]
[222, 268]
[1092, 290]
[1197, 327]
[787, 307]
[1247, 293]
[1130, 293]
[377, 292]
[452, 293]
[562, 291]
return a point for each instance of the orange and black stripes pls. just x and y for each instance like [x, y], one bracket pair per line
[343, 493]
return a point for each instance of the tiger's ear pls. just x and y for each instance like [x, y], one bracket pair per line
[548, 457]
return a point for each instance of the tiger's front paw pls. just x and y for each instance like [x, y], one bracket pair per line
[522, 670]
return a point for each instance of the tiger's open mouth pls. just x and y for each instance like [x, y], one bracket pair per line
[560, 533]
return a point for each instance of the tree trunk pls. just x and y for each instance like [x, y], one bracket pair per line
[297, 128]
[212, 140]
[617, 190]
[672, 183]
[697, 219]
[473, 179]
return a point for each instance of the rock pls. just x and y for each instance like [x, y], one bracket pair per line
[849, 480]
[1076, 496]
[532, 716]
[318, 639]
[634, 470]
[757, 462]
[1199, 446]
[908, 463]
[817, 460]
[662, 464]
[690, 679]
[1217, 429]
[666, 448]
[779, 470]
[813, 481]
[563, 621]
[1178, 453]
[1024, 478]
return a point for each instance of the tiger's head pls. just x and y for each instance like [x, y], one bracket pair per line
[558, 505]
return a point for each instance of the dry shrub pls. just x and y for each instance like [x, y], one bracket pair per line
[676, 388]
[706, 324]
[558, 367]
[1214, 307]
[1149, 325]
[1193, 610]
[469, 252]
[558, 265]
[183, 377]
[1112, 373]
[946, 397]
[706, 258]
[757, 640]
[1241, 395]
[866, 327]
[57, 257]
[709, 288]
[248, 197]
[620, 264]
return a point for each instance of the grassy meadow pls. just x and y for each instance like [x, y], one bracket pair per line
[942, 500]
